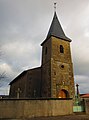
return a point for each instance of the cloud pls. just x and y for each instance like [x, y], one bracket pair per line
[83, 81]
[19, 54]
[4, 90]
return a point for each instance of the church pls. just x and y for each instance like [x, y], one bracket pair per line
[54, 78]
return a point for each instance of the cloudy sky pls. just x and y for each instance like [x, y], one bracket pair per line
[23, 27]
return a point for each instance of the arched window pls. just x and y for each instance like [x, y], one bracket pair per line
[45, 50]
[61, 49]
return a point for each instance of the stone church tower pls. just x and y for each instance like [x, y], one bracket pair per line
[57, 67]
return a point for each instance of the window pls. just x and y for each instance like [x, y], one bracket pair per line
[45, 50]
[61, 49]
[62, 66]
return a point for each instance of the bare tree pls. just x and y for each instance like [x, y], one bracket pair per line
[2, 75]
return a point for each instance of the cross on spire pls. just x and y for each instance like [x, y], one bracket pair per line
[55, 6]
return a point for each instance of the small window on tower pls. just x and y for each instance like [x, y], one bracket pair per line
[45, 50]
[61, 49]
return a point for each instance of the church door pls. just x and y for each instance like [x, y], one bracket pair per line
[63, 94]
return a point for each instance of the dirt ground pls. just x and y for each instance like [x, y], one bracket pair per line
[70, 117]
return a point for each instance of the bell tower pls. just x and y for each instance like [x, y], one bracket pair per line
[57, 67]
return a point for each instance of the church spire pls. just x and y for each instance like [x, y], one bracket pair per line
[56, 29]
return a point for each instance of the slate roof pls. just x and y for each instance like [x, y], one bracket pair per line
[22, 74]
[56, 30]
[17, 78]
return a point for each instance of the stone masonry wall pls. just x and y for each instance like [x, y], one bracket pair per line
[46, 69]
[61, 77]
[87, 105]
[20, 108]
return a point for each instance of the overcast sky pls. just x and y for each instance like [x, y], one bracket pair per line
[24, 25]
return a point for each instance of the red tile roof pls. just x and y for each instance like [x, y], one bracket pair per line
[85, 96]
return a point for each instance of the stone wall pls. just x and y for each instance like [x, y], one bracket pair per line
[18, 82]
[29, 83]
[62, 77]
[46, 69]
[22, 108]
[87, 106]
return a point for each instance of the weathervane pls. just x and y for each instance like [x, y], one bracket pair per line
[55, 6]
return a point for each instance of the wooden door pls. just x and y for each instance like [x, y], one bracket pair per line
[62, 94]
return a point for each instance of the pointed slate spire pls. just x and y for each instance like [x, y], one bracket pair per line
[56, 29]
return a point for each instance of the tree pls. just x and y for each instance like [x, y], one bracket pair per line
[2, 75]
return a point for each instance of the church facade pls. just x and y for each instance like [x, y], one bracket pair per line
[54, 78]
